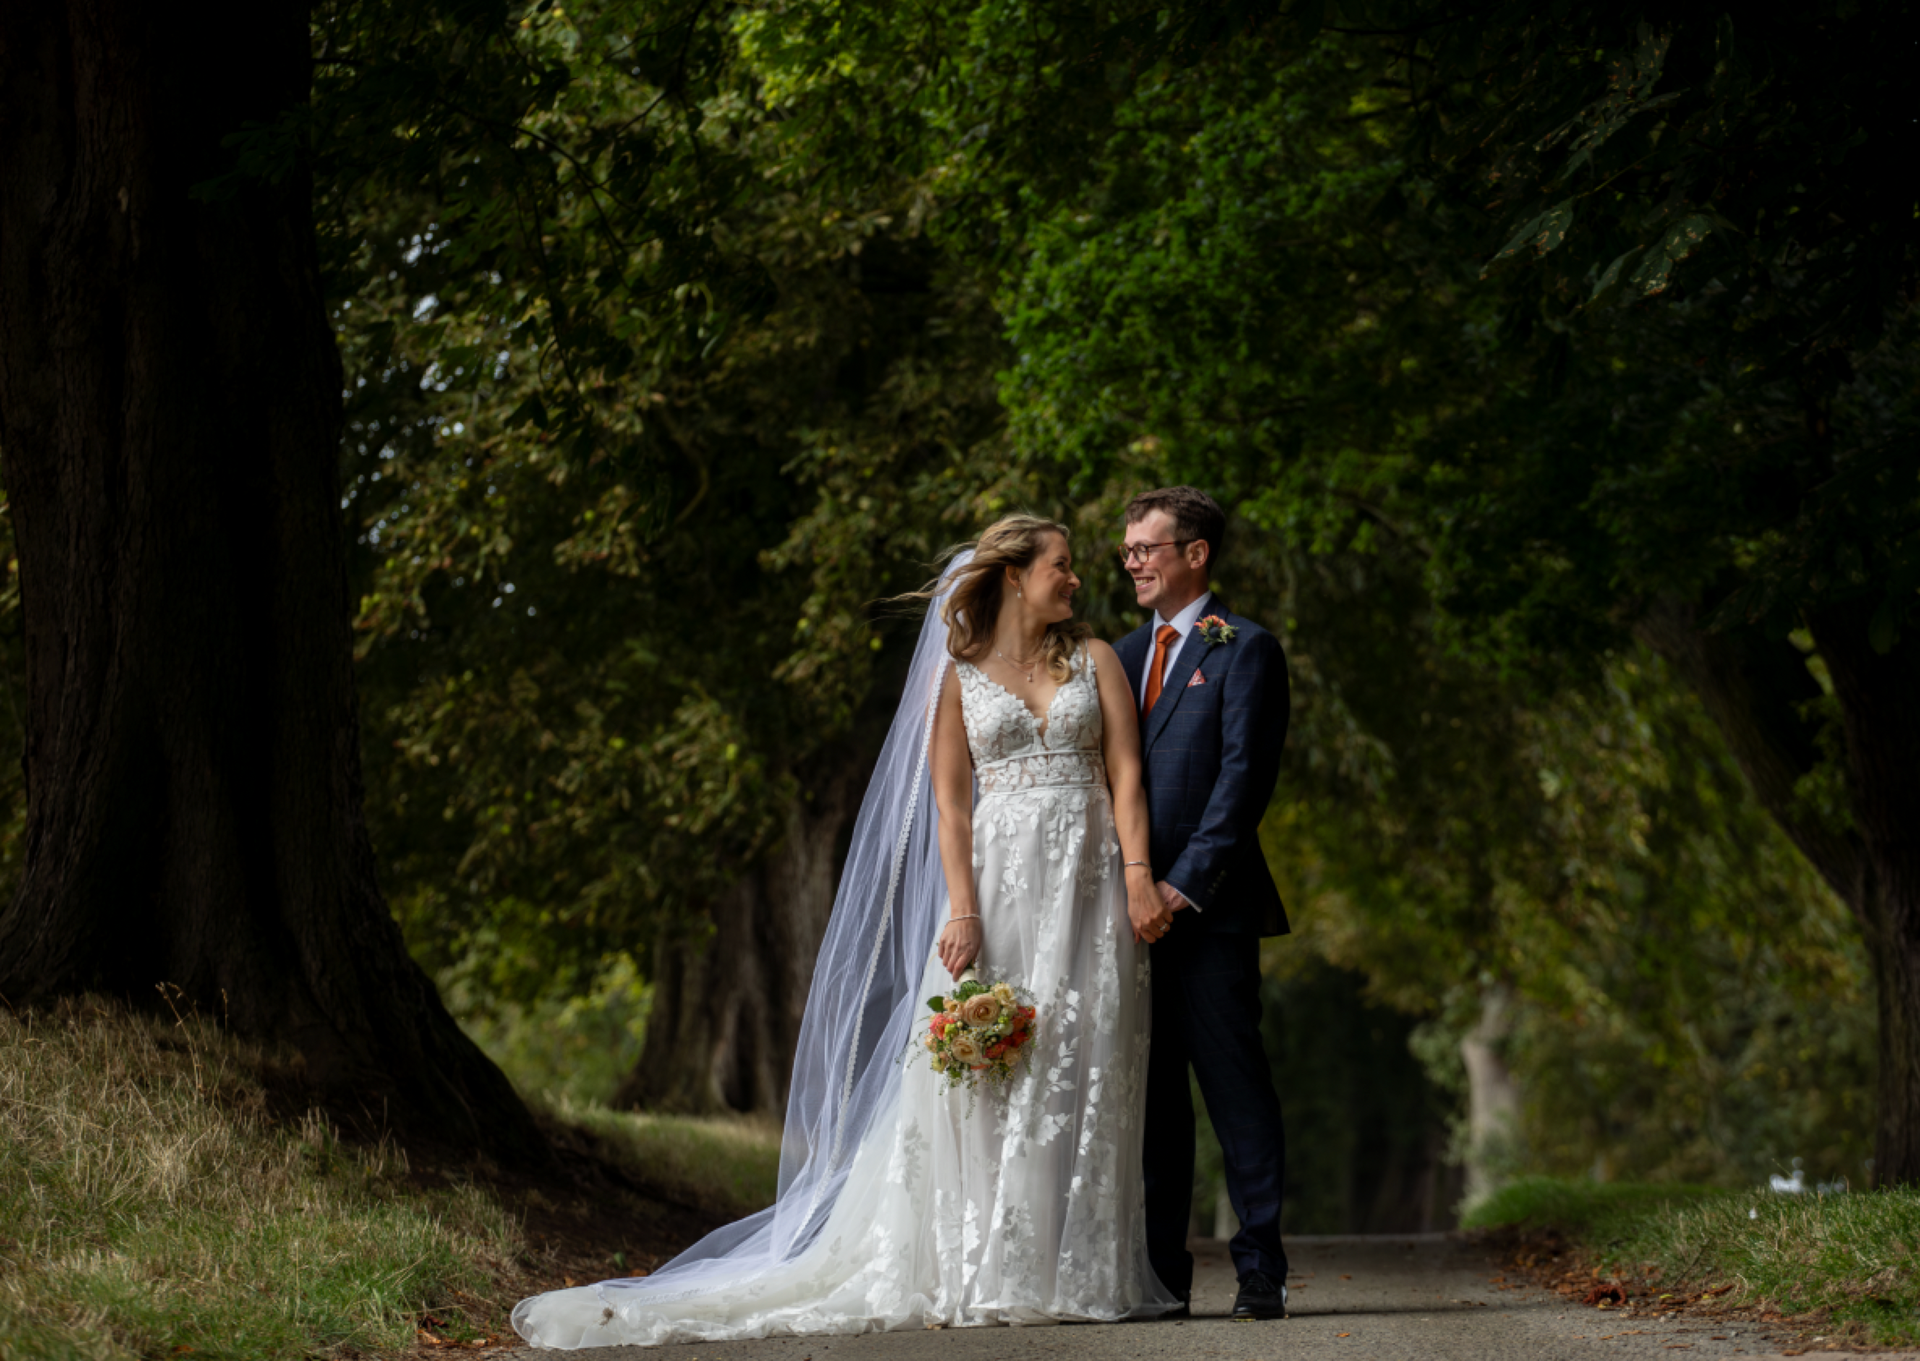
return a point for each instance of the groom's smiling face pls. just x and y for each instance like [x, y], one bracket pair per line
[1171, 576]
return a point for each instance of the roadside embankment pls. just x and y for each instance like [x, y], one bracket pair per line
[1840, 1268]
[162, 1194]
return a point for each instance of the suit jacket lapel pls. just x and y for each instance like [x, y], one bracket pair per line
[1173, 685]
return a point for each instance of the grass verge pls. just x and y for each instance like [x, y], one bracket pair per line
[728, 1165]
[1589, 1209]
[148, 1206]
[152, 1205]
[1848, 1262]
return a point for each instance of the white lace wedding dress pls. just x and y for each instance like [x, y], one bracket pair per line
[1029, 1210]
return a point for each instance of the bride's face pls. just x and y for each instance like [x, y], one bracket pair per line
[1048, 583]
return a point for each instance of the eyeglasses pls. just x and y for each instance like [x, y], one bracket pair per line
[1131, 553]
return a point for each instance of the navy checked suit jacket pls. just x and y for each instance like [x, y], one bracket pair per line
[1212, 756]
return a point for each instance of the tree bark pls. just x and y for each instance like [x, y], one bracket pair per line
[170, 400]
[1879, 696]
[1760, 693]
[1493, 1099]
[727, 1004]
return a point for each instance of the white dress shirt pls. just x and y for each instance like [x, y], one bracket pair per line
[1184, 621]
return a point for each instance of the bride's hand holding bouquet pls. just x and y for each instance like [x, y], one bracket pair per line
[960, 942]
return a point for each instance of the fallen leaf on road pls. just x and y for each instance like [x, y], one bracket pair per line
[1343, 1334]
[1607, 1292]
[1347, 1277]
[427, 1339]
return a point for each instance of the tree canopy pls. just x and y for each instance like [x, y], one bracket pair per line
[1555, 366]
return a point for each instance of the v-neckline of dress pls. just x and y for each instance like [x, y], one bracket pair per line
[1043, 721]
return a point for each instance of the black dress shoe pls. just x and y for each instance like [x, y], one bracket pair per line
[1260, 1297]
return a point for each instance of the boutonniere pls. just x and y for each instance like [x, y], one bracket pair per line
[1216, 630]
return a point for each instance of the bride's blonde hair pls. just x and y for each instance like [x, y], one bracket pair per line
[978, 590]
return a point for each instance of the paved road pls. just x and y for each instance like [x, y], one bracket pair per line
[1420, 1298]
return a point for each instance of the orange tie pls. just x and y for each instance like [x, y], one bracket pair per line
[1162, 640]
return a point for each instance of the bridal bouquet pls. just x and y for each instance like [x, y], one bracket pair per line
[979, 1032]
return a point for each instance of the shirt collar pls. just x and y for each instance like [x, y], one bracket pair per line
[1187, 618]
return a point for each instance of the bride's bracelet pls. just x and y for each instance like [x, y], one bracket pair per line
[969, 917]
[1127, 865]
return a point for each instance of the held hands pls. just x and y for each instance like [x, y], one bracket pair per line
[1147, 910]
[1151, 906]
[960, 943]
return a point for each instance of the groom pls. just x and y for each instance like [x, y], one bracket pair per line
[1212, 691]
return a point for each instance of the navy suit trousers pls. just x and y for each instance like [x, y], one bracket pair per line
[1206, 1013]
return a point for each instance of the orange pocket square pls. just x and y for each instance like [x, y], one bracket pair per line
[1198, 679]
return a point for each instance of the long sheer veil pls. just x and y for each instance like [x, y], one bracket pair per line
[860, 1008]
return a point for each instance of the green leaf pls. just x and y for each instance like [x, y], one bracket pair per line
[1610, 278]
[936, 1004]
[1543, 233]
[531, 410]
[1680, 241]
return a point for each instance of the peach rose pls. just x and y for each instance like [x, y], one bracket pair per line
[983, 1010]
[963, 1050]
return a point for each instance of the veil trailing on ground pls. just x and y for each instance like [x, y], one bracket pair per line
[860, 1008]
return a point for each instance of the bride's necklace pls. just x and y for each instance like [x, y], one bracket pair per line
[1017, 666]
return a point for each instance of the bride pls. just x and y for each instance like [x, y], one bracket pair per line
[901, 1205]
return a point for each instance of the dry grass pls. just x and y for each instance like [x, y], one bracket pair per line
[725, 1164]
[148, 1206]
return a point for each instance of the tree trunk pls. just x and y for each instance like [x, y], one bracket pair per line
[1879, 696]
[726, 1004]
[1493, 1101]
[169, 427]
[1760, 693]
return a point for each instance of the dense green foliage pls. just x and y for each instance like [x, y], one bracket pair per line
[608, 566]
[678, 335]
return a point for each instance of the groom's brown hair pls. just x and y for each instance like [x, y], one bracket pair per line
[1195, 515]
